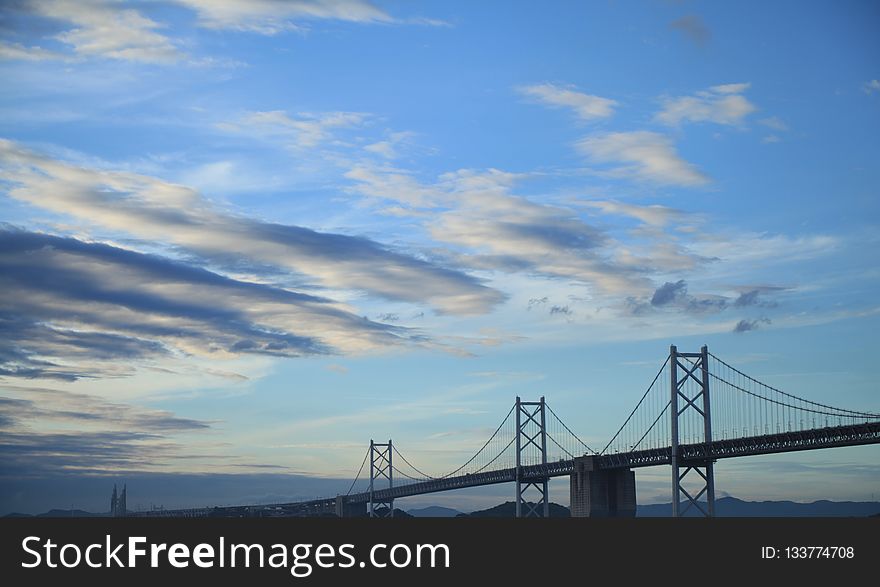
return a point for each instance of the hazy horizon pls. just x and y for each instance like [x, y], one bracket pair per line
[181, 491]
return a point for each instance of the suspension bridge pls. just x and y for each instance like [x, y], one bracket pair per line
[677, 422]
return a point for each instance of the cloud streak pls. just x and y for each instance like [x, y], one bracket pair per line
[46, 430]
[152, 209]
[585, 106]
[652, 215]
[643, 155]
[97, 29]
[299, 132]
[75, 309]
[722, 104]
[79, 409]
[269, 17]
[488, 227]
[19, 52]
[109, 29]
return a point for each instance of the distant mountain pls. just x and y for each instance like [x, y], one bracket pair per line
[508, 510]
[433, 511]
[398, 513]
[70, 514]
[730, 507]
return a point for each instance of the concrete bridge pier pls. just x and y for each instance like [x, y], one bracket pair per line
[597, 493]
[345, 509]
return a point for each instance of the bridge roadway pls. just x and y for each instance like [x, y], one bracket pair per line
[829, 437]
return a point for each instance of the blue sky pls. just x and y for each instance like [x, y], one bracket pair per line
[247, 237]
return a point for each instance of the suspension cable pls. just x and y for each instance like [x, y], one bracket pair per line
[496, 456]
[558, 419]
[851, 412]
[657, 419]
[656, 377]
[861, 415]
[364, 462]
[470, 460]
[414, 468]
[793, 406]
[559, 445]
[402, 474]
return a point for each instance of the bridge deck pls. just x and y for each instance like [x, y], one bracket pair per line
[830, 437]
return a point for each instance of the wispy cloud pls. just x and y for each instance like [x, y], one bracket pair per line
[77, 309]
[652, 244]
[585, 106]
[775, 123]
[386, 183]
[512, 234]
[489, 227]
[755, 296]
[109, 29]
[537, 302]
[675, 294]
[871, 86]
[50, 431]
[561, 310]
[301, 131]
[747, 248]
[389, 147]
[270, 17]
[18, 52]
[654, 214]
[722, 104]
[150, 208]
[645, 155]
[85, 452]
[335, 368]
[748, 325]
[79, 409]
[98, 28]
[669, 293]
[693, 28]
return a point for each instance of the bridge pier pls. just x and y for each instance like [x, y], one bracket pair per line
[346, 509]
[597, 493]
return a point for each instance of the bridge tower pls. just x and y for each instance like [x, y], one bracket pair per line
[689, 382]
[118, 508]
[531, 431]
[380, 468]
